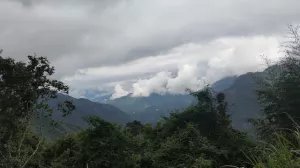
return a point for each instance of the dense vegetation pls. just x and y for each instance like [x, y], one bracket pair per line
[200, 136]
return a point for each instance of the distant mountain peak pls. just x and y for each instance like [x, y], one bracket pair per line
[224, 83]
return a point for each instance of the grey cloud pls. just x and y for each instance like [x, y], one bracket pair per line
[26, 2]
[76, 34]
[101, 3]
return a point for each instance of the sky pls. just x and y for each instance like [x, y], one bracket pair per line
[146, 46]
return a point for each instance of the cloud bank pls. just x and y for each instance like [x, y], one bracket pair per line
[145, 46]
[199, 65]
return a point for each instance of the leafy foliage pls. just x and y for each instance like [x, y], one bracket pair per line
[279, 92]
[23, 89]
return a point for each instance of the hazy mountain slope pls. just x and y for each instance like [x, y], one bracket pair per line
[224, 83]
[74, 122]
[242, 101]
[150, 109]
[85, 108]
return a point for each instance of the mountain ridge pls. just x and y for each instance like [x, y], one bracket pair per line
[85, 107]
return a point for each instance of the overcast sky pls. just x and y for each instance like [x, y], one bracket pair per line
[146, 46]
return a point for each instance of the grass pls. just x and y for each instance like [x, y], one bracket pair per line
[283, 154]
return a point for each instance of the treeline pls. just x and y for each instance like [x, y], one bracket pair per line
[201, 136]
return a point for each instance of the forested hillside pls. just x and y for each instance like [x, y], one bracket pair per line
[243, 102]
[74, 122]
[86, 108]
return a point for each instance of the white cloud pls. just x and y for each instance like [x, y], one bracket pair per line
[156, 84]
[199, 65]
[187, 78]
[119, 92]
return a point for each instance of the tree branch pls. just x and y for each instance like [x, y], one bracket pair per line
[3, 155]
[3, 133]
[21, 142]
[34, 152]
[8, 146]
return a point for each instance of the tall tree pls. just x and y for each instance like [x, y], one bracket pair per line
[200, 136]
[24, 88]
[279, 91]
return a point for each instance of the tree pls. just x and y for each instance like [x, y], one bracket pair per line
[64, 152]
[135, 127]
[24, 88]
[201, 135]
[279, 91]
[185, 148]
[106, 145]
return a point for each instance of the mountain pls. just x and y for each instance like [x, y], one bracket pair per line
[85, 107]
[95, 95]
[242, 101]
[75, 122]
[224, 83]
[150, 109]
[239, 91]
